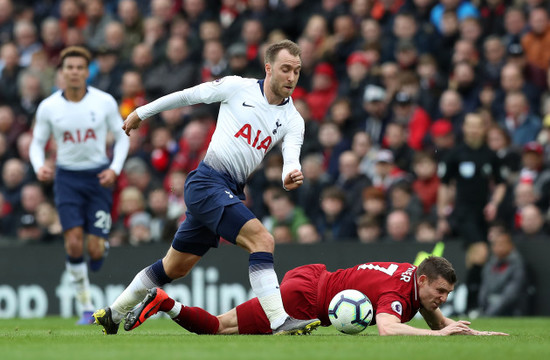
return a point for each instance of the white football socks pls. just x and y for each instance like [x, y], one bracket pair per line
[266, 287]
[132, 295]
[79, 273]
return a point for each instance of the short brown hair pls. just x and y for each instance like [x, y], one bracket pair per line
[274, 49]
[75, 51]
[434, 266]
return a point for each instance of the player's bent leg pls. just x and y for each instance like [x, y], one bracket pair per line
[254, 237]
[178, 264]
[98, 249]
[74, 242]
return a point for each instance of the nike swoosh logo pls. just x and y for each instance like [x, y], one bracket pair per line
[246, 105]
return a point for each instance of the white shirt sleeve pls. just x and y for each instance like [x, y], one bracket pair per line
[209, 92]
[291, 146]
[122, 142]
[40, 136]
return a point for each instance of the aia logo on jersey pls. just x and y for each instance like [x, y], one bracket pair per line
[79, 136]
[255, 140]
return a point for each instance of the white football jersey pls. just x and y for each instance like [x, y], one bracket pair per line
[80, 131]
[247, 128]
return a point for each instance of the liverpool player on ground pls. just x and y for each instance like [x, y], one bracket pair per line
[397, 292]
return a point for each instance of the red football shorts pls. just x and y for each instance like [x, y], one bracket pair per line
[299, 293]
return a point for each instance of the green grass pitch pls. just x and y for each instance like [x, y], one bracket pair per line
[56, 338]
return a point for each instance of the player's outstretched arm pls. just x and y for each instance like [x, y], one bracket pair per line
[445, 326]
[391, 325]
[132, 122]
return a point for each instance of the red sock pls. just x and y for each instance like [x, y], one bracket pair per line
[167, 304]
[197, 320]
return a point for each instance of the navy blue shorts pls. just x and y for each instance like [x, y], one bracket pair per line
[214, 209]
[82, 201]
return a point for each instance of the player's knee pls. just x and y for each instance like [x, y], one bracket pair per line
[95, 248]
[263, 242]
[73, 244]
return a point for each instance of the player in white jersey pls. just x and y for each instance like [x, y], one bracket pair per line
[254, 115]
[79, 118]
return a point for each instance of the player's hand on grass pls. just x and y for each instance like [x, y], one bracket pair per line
[45, 173]
[132, 122]
[460, 327]
[294, 180]
[488, 333]
[107, 177]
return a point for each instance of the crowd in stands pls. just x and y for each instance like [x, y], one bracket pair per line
[384, 89]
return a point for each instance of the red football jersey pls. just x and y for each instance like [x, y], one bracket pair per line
[391, 287]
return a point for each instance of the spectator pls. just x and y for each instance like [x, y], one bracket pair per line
[504, 279]
[363, 147]
[131, 18]
[463, 10]
[6, 21]
[307, 234]
[283, 211]
[531, 73]
[378, 114]
[396, 140]
[162, 227]
[401, 197]
[357, 71]
[451, 108]
[536, 42]
[193, 144]
[214, 65]
[333, 144]
[532, 225]
[9, 74]
[48, 219]
[324, 87]
[110, 72]
[398, 227]
[426, 182]
[442, 137]
[512, 80]
[369, 229]
[132, 92]
[13, 175]
[534, 170]
[335, 224]
[26, 39]
[139, 229]
[375, 203]
[413, 117]
[351, 181]
[522, 124]
[142, 59]
[311, 143]
[425, 232]
[494, 53]
[52, 42]
[315, 181]
[340, 112]
[385, 171]
[176, 202]
[97, 20]
[465, 83]
[29, 229]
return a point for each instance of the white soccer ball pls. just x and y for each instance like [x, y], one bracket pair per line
[350, 311]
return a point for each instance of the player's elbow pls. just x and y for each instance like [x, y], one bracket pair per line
[385, 330]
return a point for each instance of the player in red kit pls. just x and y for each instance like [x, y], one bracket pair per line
[397, 292]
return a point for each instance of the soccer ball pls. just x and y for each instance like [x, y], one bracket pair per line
[350, 311]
